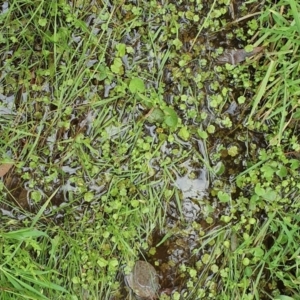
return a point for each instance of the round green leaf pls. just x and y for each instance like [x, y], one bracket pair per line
[171, 118]
[223, 197]
[219, 168]
[136, 85]
[184, 133]
[157, 116]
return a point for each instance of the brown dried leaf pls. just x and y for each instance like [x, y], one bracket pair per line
[4, 168]
[235, 56]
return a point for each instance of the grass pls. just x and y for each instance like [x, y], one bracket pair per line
[279, 86]
[104, 105]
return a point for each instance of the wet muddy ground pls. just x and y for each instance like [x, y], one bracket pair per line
[195, 210]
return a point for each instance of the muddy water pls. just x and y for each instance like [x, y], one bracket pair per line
[197, 211]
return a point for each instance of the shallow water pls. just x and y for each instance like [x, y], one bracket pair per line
[195, 210]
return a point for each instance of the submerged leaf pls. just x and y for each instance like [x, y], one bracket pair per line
[4, 168]
[235, 56]
[156, 115]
